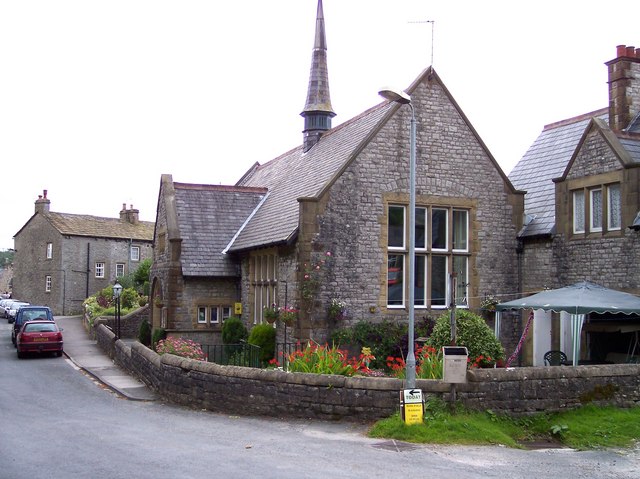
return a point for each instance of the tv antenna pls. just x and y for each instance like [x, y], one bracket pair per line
[433, 23]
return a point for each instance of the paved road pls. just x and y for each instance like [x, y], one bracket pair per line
[58, 421]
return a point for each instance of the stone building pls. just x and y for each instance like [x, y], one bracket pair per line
[61, 258]
[329, 220]
[581, 176]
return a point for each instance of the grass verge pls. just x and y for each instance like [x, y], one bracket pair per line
[589, 427]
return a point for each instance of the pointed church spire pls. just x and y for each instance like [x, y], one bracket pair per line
[317, 111]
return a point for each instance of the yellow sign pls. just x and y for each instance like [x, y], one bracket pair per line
[412, 406]
[237, 308]
[413, 413]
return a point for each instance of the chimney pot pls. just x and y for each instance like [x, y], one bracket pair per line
[631, 52]
[621, 50]
[44, 192]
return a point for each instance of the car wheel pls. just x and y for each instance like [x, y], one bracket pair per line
[20, 355]
[58, 353]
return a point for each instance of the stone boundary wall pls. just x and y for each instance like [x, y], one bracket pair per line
[260, 392]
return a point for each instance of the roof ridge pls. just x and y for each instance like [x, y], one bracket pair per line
[231, 188]
[575, 119]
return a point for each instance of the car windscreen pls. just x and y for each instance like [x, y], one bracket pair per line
[32, 314]
[40, 328]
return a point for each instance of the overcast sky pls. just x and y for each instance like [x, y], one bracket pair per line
[99, 98]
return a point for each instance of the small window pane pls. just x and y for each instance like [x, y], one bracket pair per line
[420, 291]
[226, 312]
[578, 211]
[214, 314]
[49, 250]
[202, 315]
[460, 230]
[119, 270]
[396, 227]
[421, 228]
[460, 268]
[439, 281]
[395, 283]
[47, 284]
[596, 210]
[135, 253]
[614, 213]
[439, 229]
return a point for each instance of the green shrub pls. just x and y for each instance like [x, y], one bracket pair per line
[233, 331]
[157, 335]
[144, 333]
[264, 336]
[384, 339]
[129, 298]
[473, 333]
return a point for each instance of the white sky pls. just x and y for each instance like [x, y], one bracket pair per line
[99, 98]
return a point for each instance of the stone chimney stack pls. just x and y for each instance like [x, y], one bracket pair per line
[624, 87]
[129, 215]
[42, 203]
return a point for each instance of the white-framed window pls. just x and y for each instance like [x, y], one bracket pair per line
[614, 207]
[47, 283]
[264, 282]
[578, 211]
[49, 250]
[595, 210]
[434, 256]
[99, 270]
[119, 270]
[213, 314]
[135, 253]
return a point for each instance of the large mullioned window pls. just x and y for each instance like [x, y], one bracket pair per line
[441, 248]
[264, 283]
[597, 209]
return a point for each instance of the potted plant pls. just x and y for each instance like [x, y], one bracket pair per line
[288, 315]
[271, 313]
[337, 310]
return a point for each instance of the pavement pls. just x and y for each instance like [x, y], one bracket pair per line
[85, 353]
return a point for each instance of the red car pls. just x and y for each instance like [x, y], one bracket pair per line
[39, 337]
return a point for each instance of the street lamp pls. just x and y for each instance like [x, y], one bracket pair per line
[404, 99]
[117, 291]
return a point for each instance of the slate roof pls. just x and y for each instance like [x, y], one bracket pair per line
[98, 227]
[632, 145]
[296, 174]
[546, 159]
[208, 218]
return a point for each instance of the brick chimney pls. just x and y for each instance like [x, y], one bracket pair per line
[42, 203]
[129, 215]
[624, 87]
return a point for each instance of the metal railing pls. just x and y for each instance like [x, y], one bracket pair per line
[243, 354]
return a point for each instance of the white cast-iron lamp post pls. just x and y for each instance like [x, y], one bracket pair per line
[117, 291]
[404, 99]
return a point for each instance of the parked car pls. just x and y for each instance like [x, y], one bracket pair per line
[39, 337]
[29, 313]
[4, 307]
[13, 310]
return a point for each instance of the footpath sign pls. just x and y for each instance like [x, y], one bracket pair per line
[411, 405]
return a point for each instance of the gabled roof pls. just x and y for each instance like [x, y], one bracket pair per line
[208, 217]
[296, 174]
[546, 159]
[97, 227]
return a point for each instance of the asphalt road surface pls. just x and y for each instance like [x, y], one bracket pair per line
[57, 422]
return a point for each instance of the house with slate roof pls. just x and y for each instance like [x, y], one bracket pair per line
[582, 183]
[328, 220]
[62, 258]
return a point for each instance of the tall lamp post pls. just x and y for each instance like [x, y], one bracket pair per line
[404, 99]
[117, 291]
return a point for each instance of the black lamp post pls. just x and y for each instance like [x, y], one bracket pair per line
[117, 290]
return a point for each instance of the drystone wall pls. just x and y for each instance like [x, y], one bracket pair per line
[259, 392]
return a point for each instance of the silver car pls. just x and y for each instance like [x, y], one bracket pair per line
[13, 309]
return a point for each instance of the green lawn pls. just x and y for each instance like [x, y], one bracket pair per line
[589, 427]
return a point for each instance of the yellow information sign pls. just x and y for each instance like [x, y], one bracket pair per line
[412, 406]
[237, 308]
